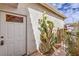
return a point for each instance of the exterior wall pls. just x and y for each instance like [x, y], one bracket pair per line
[23, 6]
[41, 8]
[24, 10]
[35, 15]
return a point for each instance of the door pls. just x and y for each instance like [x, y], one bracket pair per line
[3, 47]
[12, 34]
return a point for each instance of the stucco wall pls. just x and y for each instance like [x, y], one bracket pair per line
[35, 15]
[23, 9]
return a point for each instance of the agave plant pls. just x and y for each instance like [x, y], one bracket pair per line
[47, 36]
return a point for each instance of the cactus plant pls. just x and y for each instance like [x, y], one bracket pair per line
[46, 36]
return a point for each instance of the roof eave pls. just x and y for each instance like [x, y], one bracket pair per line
[53, 9]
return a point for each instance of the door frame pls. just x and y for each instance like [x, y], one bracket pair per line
[26, 26]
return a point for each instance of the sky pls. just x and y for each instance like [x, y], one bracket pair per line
[71, 10]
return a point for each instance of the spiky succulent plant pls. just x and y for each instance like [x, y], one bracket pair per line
[47, 36]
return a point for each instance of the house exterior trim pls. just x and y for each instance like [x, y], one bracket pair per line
[53, 9]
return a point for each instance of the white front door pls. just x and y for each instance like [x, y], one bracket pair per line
[3, 48]
[12, 34]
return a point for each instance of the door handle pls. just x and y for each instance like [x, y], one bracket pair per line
[2, 37]
[2, 42]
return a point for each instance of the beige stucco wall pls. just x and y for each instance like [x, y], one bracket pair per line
[23, 9]
[23, 6]
[35, 15]
[41, 8]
